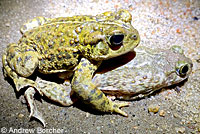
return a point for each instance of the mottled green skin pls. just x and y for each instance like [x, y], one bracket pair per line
[71, 47]
[149, 71]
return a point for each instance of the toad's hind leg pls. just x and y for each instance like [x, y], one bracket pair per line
[21, 82]
[52, 91]
[56, 92]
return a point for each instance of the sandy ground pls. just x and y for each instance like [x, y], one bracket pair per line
[160, 24]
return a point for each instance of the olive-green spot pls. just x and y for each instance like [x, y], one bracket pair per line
[115, 105]
[100, 96]
[103, 103]
[92, 92]
[19, 59]
[27, 58]
[80, 70]
[90, 98]
[84, 64]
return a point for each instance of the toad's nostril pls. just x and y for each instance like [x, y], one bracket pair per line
[134, 37]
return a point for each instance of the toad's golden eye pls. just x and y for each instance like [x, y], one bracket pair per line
[116, 40]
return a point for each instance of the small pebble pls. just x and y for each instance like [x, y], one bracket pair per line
[7, 36]
[178, 31]
[180, 130]
[153, 108]
[162, 113]
[87, 114]
[135, 127]
[21, 115]
[176, 115]
[7, 24]
[98, 128]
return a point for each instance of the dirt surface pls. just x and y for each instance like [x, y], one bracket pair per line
[161, 24]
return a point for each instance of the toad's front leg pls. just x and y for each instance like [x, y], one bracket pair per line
[87, 91]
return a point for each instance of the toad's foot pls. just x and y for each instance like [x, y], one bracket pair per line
[117, 106]
[29, 95]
